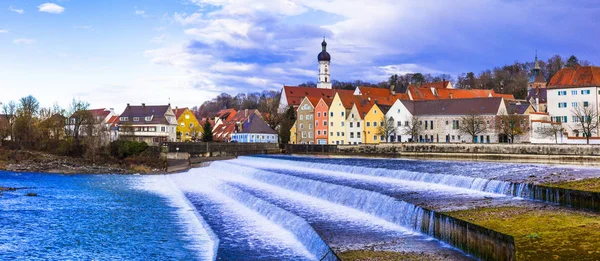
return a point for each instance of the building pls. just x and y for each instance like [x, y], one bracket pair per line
[572, 91]
[254, 130]
[324, 80]
[355, 120]
[305, 121]
[152, 124]
[188, 127]
[374, 119]
[536, 89]
[226, 121]
[340, 106]
[321, 121]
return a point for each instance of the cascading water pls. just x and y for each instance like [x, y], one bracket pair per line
[287, 228]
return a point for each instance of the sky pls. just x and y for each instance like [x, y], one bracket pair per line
[184, 52]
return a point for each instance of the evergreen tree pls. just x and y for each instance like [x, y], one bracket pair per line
[572, 62]
[207, 135]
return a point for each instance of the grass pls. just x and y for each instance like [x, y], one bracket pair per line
[542, 234]
[591, 184]
[365, 255]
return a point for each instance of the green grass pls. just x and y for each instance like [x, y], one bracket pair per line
[591, 184]
[542, 234]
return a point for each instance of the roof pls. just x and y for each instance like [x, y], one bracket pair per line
[436, 85]
[295, 94]
[226, 114]
[517, 107]
[454, 106]
[383, 95]
[255, 124]
[113, 121]
[578, 76]
[538, 78]
[242, 115]
[179, 111]
[223, 131]
[363, 105]
[156, 111]
[538, 93]
[426, 93]
[324, 55]
[103, 113]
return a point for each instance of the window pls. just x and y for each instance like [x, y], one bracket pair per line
[352, 115]
[337, 133]
[358, 135]
[303, 134]
[455, 124]
[562, 105]
[425, 124]
[446, 122]
[358, 124]
[351, 124]
[124, 118]
[136, 118]
[585, 91]
[301, 125]
[374, 124]
[331, 114]
[574, 92]
[342, 124]
[342, 113]
[381, 123]
[406, 123]
[399, 123]
[319, 132]
[163, 129]
[374, 137]
[562, 93]
[331, 134]
[574, 104]
[187, 134]
[182, 124]
[431, 124]
[324, 123]
[352, 135]
[331, 123]
[191, 125]
[310, 134]
[382, 138]
[149, 118]
[343, 134]
[368, 124]
[316, 123]
[398, 110]
[310, 126]
[585, 104]
[375, 112]
[301, 117]
[187, 117]
[318, 114]
[575, 119]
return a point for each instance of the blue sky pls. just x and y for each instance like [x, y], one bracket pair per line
[114, 52]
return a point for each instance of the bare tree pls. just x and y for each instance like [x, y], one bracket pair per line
[10, 110]
[551, 130]
[79, 116]
[386, 129]
[512, 125]
[473, 124]
[587, 119]
[4, 129]
[413, 128]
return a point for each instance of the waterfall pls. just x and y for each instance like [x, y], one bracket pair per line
[479, 241]
[203, 239]
[312, 244]
[465, 182]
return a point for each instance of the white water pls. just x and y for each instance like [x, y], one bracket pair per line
[389, 175]
[202, 238]
[265, 222]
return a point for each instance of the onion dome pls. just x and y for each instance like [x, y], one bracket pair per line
[324, 55]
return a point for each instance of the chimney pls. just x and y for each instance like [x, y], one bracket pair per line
[393, 89]
[128, 105]
[246, 113]
[143, 105]
[450, 95]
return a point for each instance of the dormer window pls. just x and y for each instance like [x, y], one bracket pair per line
[148, 118]
[123, 118]
[136, 118]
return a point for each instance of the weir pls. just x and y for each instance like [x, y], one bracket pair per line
[480, 242]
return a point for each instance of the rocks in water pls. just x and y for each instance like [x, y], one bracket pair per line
[31, 194]
[7, 189]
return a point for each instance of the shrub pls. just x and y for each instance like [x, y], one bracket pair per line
[122, 149]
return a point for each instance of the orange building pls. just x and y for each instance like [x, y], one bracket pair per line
[321, 126]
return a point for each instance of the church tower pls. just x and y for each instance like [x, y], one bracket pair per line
[537, 79]
[324, 62]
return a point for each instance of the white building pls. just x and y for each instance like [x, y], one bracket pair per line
[324, 81]
[150, 124]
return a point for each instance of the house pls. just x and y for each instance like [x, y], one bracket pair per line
[305, 121]
[570, 92]
[374, 119]
[355, 120]
[340, 107]
[188, 127]
[152, 124]
[225, 125]
[293, 132]
[321, 120]
[82, 119]
[254, 130]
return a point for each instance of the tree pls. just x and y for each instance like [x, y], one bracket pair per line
[413, 128]
[4, 129]
[10, 110]
[551, 130]
[79, 116]
[572, 62]
[196, 132]
[473, 124]
[25, 130]
[287, 121]
[554, 64]
[587, 119]
[386, 129]
[511, 125]
[418, 78]
[207, 135]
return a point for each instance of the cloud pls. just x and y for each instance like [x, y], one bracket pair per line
[4, 31]
[140, 12]
[51, 8]
[24, 41]
[85, 27]
[159, 39]
[16, 10]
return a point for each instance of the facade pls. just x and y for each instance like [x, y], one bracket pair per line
[374, 118]
[150, 124]
[254, 130]
[188, 127]
[337, 121]
[354, 123]
[293, 138]
[305, 120]
[321, 121]
[573, 90]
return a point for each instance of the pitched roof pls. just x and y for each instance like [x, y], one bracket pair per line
[423, 93]
[295, 94]
[226, 114]
[579, 76]
[382, 95]
[242, 115]
[179, 111]
[436, 85]
[517, 107]
[255, 124]
[156, 111]
[454, 106]
[538, 93]
[113, 121]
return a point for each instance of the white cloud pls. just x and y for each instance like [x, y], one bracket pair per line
[85, 27]
[16, 10]
[51, 8]
[24, 41]
[140, 12]
[159, 39]
[4, 31]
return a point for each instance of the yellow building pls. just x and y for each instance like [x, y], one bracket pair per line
[293, 138]
[188, 127]
[338, 111]
[373, 120]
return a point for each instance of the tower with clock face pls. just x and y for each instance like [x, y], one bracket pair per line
[324, 67]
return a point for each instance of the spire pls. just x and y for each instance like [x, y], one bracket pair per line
[537, 64]
[324, 44]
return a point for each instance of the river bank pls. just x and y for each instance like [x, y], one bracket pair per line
[39, 162]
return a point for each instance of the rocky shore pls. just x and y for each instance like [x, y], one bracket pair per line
[28, 161]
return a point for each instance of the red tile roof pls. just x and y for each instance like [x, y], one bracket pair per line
[579, 76]
[422, 93]
[295, 94]
[179, 111]
[226, 114]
